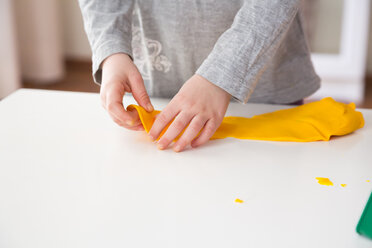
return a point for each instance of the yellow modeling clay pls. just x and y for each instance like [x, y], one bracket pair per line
[367, 181]
[238, 200]
[343, 185]
[324, 181]
[310, 122]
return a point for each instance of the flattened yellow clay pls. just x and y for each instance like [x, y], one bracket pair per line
[310, 122]
[367, 181]
[238, 200]
[343, 185]
[324, 181]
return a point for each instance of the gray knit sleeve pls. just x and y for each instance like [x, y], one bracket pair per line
[243, 52]
[108, 25]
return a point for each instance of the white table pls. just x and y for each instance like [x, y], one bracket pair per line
[70, 177]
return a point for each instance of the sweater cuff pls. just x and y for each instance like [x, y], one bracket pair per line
[219, 75]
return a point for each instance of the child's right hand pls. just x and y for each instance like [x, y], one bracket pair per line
[120, 75]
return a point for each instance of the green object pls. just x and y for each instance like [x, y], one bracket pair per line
[365, 223]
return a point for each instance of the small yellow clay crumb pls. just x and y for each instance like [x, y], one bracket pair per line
[343, 185]
[367, 181]
[238, 200]
[324, 181]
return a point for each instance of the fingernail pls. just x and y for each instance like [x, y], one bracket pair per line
[129, 123]
[177, 148]
[149, 107]
[160, 146]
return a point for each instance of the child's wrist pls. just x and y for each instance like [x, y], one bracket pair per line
[116, 58]
[112, 66]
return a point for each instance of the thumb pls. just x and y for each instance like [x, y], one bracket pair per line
[139, 92]
[134, 117]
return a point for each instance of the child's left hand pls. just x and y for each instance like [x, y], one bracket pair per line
[200, 106]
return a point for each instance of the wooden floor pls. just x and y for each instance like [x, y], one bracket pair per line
[78, 77]
[367, 94]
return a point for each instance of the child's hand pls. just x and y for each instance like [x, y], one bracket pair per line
[120, 75]
[199, 104]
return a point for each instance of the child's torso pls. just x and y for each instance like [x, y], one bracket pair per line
[171, 39]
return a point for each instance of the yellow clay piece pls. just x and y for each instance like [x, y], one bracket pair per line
[313, 121]
[367, 181]
[238, 200]
[343, 185]
[324, 181]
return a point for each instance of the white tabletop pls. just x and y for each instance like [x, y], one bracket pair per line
[70, 177]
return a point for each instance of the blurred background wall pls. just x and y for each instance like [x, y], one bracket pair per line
[39, 39]
[75, 42]
[67, 41]
[9, 64]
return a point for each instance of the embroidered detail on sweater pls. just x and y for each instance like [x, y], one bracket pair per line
[147, 54]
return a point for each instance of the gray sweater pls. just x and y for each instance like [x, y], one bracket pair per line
[253, 49]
